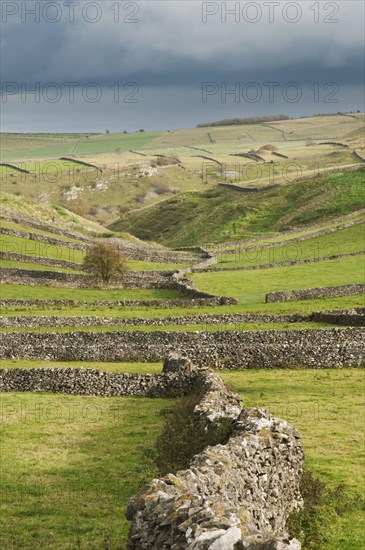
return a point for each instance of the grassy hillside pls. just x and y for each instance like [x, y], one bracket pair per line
[56, 216]
[222, 214]
[131, 178]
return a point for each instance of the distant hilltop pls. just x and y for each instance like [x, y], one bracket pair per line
[247, 120]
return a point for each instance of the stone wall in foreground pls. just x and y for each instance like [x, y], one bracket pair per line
[304, 348]
[236, 495]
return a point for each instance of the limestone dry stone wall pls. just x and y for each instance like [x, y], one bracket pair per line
[88, 381]
[184, 302]
[204, 320]
[312, 293]
[133, 279]
[304, 348]
[353, 317]
[276, 264]
[236, 495]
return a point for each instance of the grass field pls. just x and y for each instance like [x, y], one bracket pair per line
[68, 469]
[250, 287]
[28, 247]
[70, 463]
[22, 227]
[282, 237]
[343, 241]
[38, 146]
[36, 267]
[38, 292]
[21, 245]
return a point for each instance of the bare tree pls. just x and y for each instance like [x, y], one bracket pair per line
[105, 261]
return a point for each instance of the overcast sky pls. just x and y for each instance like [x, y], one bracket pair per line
[97, 65]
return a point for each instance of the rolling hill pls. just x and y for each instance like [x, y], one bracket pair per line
[223, 214]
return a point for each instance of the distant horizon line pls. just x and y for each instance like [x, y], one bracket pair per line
[114, 132]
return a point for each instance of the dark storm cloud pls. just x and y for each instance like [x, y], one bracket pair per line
[168, 46]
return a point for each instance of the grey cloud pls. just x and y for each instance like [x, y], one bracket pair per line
[170, 48]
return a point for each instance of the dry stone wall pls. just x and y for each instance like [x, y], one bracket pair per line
[218, 321]
[352, 318]
[88, 381]
[133, 279]
[277, 264]
[185, 302]
[236, 495]
[304, 348]
[312, 293]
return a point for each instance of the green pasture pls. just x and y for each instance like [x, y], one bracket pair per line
[23, 292]
[343, 241]
[68, 466]
[21, 245]
[250, 287]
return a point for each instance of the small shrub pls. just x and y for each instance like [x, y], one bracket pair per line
[268, 147]
[79, 206]
[161, 188]
[165, 161]
[322, 509]
[183, 436]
